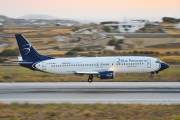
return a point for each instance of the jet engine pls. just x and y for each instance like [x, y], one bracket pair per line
[107, 75]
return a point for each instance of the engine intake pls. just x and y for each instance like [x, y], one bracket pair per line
[107, 75]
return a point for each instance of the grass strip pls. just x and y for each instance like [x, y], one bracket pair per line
[67, 111]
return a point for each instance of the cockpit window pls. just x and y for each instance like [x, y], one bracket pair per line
[158, 61]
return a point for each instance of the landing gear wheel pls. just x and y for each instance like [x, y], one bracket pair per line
[90, 79]
[151, 76]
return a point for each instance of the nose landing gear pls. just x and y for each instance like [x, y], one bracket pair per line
[152, 74]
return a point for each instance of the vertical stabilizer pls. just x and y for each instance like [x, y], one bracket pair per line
[28, 52]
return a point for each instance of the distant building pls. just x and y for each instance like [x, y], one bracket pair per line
[109, 22]
[95, 48]
[109, 48]
[60, 39]
[2, 20]
[4, 45]
[64, 24]
[1, 24]
[85, 31]
[141, 21]
[98, 35]
[177, 26]
[129, 27]
[119, 37]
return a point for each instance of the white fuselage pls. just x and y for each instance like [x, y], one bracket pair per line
[119, 64]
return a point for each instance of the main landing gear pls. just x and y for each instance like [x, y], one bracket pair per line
[90, 79]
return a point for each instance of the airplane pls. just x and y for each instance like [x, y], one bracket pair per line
[100, 67]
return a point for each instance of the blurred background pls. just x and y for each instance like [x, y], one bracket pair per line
[90, 28]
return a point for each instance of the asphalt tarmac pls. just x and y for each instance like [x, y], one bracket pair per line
[89, 93]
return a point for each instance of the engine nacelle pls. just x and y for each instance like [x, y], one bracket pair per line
[107, 75]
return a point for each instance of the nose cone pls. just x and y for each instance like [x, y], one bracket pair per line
[163, 66]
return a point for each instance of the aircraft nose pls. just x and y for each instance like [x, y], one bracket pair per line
[163, 66]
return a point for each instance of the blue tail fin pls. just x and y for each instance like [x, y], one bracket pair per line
[28, 52]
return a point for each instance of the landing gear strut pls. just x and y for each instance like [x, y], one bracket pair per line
[151, 76]
[90, 79]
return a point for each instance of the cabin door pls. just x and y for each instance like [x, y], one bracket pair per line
[43, 66]
[148, 63]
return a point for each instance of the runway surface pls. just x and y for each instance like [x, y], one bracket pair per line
[96, 92]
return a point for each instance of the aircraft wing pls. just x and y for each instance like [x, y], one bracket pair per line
[91, 72]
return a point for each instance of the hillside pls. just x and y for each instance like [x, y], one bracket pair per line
[35, 20]
[38, 16]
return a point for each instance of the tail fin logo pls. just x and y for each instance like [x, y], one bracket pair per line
[26, 48]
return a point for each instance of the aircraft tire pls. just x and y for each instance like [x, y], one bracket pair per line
[90, 79]
[152, 77]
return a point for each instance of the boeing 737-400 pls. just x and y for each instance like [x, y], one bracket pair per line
[101, 67]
